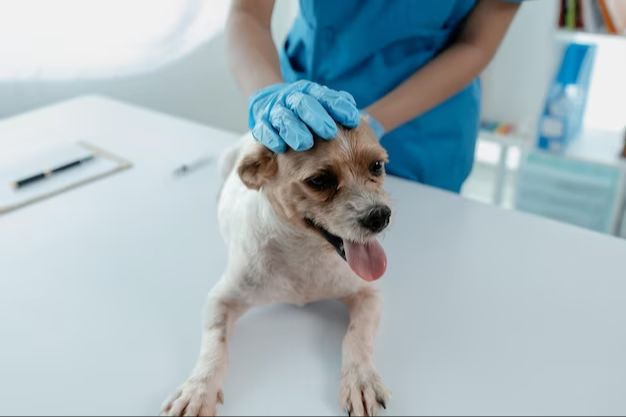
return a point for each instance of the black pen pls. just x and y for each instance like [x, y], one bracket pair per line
[46, 174]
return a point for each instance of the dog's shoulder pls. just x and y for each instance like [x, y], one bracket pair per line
[230, 158]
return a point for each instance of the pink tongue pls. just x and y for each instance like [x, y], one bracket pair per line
[367, 260]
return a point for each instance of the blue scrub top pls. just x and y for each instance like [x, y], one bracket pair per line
[368, 48]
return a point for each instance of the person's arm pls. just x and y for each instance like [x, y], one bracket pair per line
[452, 70]
[252, 55]
[280, 115]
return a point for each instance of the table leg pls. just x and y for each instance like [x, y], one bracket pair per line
[498, 191]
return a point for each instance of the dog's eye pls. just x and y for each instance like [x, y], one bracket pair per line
[321, 182]
[377, 168]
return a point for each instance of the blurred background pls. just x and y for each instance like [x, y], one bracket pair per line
[554, 119]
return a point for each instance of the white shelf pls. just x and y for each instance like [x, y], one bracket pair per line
[506, 140]
[596, 145]
[587, 37]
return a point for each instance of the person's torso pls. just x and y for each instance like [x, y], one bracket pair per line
[368, 47]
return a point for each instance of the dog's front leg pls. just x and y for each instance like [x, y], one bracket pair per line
[202, 392]
[362, 390]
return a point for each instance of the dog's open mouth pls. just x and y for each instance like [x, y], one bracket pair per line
[367, 260]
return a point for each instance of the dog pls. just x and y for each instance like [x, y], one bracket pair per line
[300, 227]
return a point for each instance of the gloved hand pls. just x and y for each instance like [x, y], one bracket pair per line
[281, 115]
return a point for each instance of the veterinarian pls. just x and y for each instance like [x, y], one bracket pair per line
[412, 66]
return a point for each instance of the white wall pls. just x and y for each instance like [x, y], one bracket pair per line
[198, 86]
[515, 83]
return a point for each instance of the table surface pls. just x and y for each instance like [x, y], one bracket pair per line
[487, 311]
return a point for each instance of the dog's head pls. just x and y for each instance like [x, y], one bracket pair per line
[335, 190]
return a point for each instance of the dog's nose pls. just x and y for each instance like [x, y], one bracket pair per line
[377, 219]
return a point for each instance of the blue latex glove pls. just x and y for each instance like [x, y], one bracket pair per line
[282, 115]
[376, 126]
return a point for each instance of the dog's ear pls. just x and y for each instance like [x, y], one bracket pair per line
[257, 167]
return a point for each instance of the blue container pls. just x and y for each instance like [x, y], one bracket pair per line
[565, 104]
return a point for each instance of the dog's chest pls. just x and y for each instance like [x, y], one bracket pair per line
[298, 273]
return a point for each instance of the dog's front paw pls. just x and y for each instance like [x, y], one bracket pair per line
[199, 396]
[362, 391]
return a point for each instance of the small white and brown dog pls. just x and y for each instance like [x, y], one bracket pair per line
[300, 227]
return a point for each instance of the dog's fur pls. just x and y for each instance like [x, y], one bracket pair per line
[275, 256]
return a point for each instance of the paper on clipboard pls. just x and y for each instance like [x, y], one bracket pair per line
[103, 165]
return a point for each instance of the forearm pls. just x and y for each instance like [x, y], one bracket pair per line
[433, 84]
[452, 70]
[252, 55]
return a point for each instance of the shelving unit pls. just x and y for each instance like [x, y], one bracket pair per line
[514, 86]
[596, 144]
[561, 191]
[592, 147]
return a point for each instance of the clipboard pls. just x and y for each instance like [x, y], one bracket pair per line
[103, 164]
